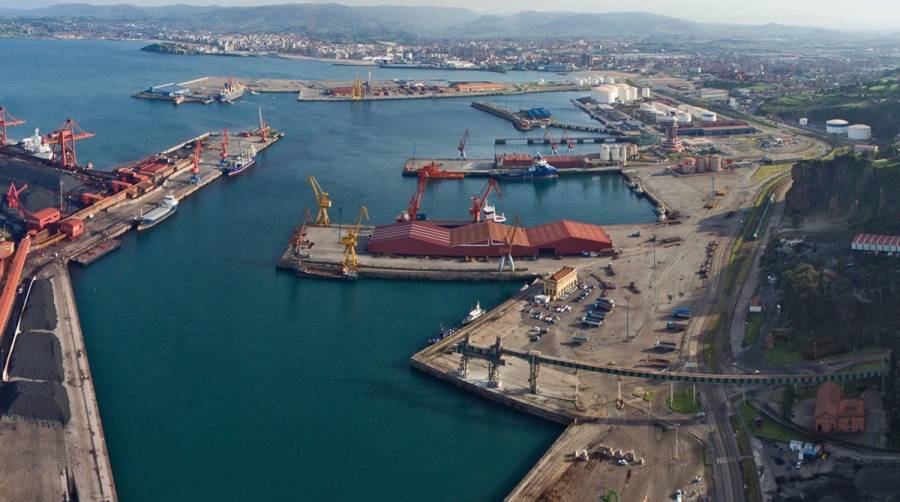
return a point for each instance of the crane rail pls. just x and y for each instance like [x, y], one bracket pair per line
[712, 378]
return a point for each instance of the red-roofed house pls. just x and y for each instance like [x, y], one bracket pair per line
[833, 414]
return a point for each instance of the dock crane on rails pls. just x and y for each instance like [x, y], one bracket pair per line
[263, 128]
[349, 240]
[63, 141]
[7, 120]
[415, 202]
[508, 240]
[570, 144]
[548, 138]
[462, 146]
[195, 164]
[224, 154]
[358, 90]
[478, 202]
[322, 219]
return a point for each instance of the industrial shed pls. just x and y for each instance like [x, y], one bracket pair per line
[875, 243]
[424, 238]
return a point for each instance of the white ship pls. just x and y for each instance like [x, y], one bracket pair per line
[473, 314]
[36, 147]
[490, 214]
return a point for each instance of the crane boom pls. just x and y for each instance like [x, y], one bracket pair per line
[349, 240]
[7, 120]
[478, 202]
[64, 140]
[462, 145]
[323, 201]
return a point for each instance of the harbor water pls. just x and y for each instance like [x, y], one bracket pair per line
[220, 378]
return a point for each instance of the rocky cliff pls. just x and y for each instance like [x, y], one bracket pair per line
[861, 191]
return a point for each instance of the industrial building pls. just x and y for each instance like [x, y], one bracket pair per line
[874, 243]
[563, 282]
[833, 414]
[169, 90]
[486, 238]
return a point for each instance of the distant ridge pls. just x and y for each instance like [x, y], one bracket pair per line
[407, 22]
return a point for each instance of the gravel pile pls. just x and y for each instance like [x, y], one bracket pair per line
[38, 356]
[35, 400]
[40, 313]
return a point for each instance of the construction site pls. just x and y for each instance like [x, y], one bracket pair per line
[58, 210]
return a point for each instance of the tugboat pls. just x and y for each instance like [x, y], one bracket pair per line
[159, 213]
[473, 314]
[540, 170]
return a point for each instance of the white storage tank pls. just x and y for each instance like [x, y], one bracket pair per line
[604, 153]
[606, 94]
[804, 121]
[708, 116]
[645, 92]
[601, 80]
[859, 132]
[623, 153]
[614, 153]
[836, 126]
[610, 80]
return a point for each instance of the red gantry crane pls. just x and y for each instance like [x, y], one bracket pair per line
[412, 212]
[479, 202]
[224, 154]
[508, 240]
[63, 141]
[554, 148]
[195, 163]
[570, 144]
[7, 120]
[462, 146]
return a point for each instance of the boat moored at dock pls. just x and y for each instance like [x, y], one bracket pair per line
[159, 213]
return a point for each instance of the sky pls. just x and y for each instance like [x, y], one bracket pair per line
[838, 14]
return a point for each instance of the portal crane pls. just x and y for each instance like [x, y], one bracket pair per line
[263, 128]
[478, 202]
[323, 200]
[224, 154]
[554, 148]
[508, 240]
[570, 144]
[7, 120]
[13, 200]
[349, 240]
[63, 141]
[358, 90]
[195, 163]
[415, 202]
[462, 145]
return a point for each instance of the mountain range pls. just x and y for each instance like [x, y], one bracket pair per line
[408, 21]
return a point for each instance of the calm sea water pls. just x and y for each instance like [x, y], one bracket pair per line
[220, 378]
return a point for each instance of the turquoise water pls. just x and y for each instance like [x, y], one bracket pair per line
[220, 378]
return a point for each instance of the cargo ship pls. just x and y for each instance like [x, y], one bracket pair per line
[557, 161]
[540, 169]
[433, 170]
[236, 166]
[159, 213]
[36, 147]
[232, 91]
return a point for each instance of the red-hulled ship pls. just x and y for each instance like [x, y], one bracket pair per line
[433, 170]
[525, 160]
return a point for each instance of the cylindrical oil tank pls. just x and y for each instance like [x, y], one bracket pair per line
[614, 153]
[684, 117]
[604, 153]
[859, 132]
[836, 126]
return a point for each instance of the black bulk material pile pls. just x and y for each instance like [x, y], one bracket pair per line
[35, 400]
[38, 356]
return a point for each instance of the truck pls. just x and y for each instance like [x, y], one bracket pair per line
[579, 339]
[591, 322]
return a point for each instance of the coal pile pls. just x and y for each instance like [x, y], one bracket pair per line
[35, 400]
[38, 356]
[40, 313]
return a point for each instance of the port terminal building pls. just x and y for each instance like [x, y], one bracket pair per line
[562, 282]
[487, 239]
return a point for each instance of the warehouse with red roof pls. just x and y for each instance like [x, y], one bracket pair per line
[486, 238]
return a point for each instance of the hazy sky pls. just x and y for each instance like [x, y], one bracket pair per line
[857, 14]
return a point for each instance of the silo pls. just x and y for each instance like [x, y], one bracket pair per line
[623, 153]
[715, 163]
[645, 92]
[614, 153]
[859, 132]
[604, 153]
